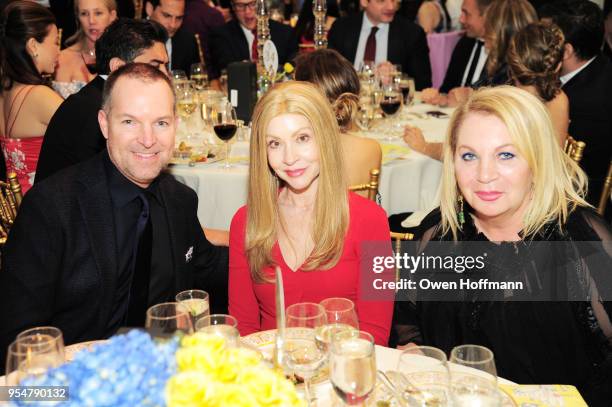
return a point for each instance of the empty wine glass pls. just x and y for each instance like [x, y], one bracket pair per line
[474, 387]
[223, 325]
[367, 70]
[224, 123]
[165, 319]
[352, 365]
[33, 355]
[425, 376]
[302, 355]
[196, 301]
[406, 85]
[341, 316]
[199, 76]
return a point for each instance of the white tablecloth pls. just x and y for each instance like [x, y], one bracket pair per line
[406, 185]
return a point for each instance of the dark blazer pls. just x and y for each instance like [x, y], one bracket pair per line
[228, 44]
[184, 50]
[407, 45]
[458, 64]
[59, 266]
[590, 104]
[73, 134]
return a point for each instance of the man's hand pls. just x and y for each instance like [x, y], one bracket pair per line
[413, 136]
[459, 95]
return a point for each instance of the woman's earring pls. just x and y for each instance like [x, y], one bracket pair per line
[461, 215]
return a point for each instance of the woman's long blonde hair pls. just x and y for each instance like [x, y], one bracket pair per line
[331, 214]
[79, 36]
[559, 184]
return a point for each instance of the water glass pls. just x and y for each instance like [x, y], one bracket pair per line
[166, 319]
[474, 387]
[199, 76]
[341, 316]
[352, 364]
[196, 301]
[223, 325]
[32, 355]
[425, 376]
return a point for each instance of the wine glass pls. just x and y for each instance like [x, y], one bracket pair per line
[178, 75]
[224, 123]
[474, 387]
[165, 319]
[341, 316]
[406, 85]
[424, 371]
[367, 70]
[390, 104]
[196, 301]
[302, 354]
[352, 365]
[33, 355]
[199, 76]
[223, 325]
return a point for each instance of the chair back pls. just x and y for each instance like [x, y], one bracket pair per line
[10, 199]
[199, 43]
[138, 8]
[605, 192]
[371, 187]
[574, 148]
[398, 238]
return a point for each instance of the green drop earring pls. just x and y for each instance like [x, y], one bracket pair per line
[460, 214]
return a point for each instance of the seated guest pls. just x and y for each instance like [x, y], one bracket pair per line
[181, 46]
[29, 49]
[534, 61]
[113, 235]
[337, 79]
[378, 34]
[300, 217]
[74, 134]
[236, 40]
[587, 80]
[507, 193]
[467, 63]
[77, 62]
[200, 18]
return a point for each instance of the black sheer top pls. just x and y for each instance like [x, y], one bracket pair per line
[566, 341]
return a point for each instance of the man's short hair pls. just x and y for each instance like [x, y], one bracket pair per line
[126, 39]
[136, 70]
[583, 26]
[482, 5]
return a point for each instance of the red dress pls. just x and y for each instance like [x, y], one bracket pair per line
[253, 303]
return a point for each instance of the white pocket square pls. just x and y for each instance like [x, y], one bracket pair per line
[189, 255]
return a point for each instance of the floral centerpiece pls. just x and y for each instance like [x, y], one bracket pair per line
[196, 370]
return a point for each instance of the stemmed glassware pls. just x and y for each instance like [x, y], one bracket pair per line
[303, 357]
[390, 104]
[471, 389]
[341, 316]
[199, 76]
[223, 325]
[34, 352]
[352, 365]
[196, 301]
[406, 85]
[224, 123]
[165, 319]
[424, 372]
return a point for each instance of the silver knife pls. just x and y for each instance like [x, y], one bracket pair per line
[280, 320]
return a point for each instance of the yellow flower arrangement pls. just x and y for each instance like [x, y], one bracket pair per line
[211, 374]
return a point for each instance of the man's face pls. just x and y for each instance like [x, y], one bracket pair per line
[245, 13]
[380, 11]
[156, 56]
[471, 19]
[139, 125]
[169, 13]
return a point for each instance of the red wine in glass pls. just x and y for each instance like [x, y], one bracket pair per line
[225, 131]
[390, 105]
[405, 88]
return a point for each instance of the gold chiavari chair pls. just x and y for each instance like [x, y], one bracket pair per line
[138, 7]
[371, 187]
[10, 199]
[574, 148]
[398, 238]
[605, 192]
[200, 52]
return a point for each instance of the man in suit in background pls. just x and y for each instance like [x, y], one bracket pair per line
[236, 40]
[200, 18]
[73, 134]
[586, 78]
[98, 243]
[181, 46]
[378, 34]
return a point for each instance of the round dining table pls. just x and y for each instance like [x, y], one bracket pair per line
[408, 181]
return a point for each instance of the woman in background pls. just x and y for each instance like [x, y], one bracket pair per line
[300, 217]
[509, 190]
[29, 48]
[534, 60]
[337, 79]
[77, 62]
